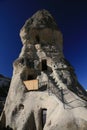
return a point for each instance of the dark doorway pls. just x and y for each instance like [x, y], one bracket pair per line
[43, 115]
[44, 65]
[30, 77]
[37, 38]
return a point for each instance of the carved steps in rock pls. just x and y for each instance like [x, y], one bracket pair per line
[64, 95]
[55, 89]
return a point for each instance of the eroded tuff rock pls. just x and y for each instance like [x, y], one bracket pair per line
[54, 99]
[4, 87]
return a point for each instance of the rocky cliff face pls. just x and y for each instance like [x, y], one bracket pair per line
[4, 87]
[44, 93]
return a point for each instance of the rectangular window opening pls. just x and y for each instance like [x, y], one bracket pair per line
[30, 77]
[43, 114]
[44, 65]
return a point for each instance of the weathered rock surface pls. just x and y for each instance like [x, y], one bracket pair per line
[60, 102]
[4, 87]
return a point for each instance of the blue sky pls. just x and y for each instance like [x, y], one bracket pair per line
[71, 17]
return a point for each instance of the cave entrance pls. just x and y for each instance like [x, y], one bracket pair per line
[30, 77]
[37, 38]
[43, 116]
[44, 65]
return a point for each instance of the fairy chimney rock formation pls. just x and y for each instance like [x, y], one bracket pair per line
[44, 93]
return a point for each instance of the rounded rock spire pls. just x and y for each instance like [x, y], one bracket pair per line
[41, 28]
[41, 19]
